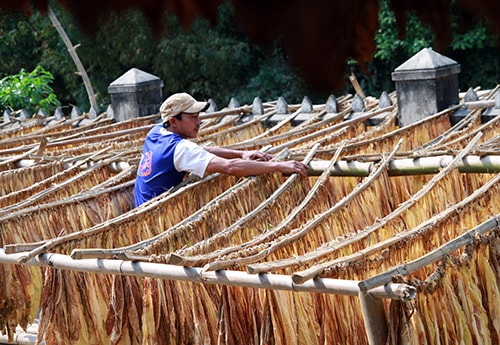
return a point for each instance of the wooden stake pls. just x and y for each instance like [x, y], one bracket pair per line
[355, 84]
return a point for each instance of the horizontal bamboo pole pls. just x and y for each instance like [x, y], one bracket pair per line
[221, 113]
[114, 167]
[118, 135]
[397, 167]
[480, 104]
[469, 164]
[411, 166]
[340, 168]
[222, 277]
[440, 253]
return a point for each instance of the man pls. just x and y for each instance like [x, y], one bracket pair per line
[168, 154]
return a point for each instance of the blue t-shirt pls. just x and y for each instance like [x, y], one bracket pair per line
[166, 157]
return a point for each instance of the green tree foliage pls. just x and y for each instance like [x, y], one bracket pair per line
[19, 47]
[474, 48]
[202, 59]
[219, 62]
[122, 42]
[28, 90]
[275, 78]
[216, 61]
[34, 41]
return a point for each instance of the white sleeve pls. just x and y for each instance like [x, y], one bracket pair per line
[191, 157]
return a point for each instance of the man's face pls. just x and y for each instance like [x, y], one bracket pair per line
[188, 127]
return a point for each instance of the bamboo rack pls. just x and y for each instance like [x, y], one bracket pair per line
[375, 229]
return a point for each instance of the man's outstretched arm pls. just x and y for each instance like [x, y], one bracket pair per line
[230, 154]
[244, 167]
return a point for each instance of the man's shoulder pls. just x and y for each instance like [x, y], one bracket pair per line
[158, 132]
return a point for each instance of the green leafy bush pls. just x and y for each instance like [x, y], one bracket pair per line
[28, 90]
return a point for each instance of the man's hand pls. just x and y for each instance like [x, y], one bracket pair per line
[291, 167]
[256, 155]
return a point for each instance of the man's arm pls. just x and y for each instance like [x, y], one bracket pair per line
[231, 154]
[244, 167]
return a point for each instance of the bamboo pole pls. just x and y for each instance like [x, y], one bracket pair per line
[355, 84]
[488, 164]
[437, 254]
[193, 274]
[374, 318]
[411, 166]
[221, 113]
[480, 104]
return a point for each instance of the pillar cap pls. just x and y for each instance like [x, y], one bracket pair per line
[426, 64]
[134, 80]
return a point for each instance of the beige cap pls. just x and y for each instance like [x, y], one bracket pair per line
[181, 103]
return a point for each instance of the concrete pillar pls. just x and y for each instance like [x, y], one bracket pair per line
[425, 84]
[281, 113]
[135, 93]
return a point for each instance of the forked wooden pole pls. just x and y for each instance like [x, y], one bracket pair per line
[72, 52]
